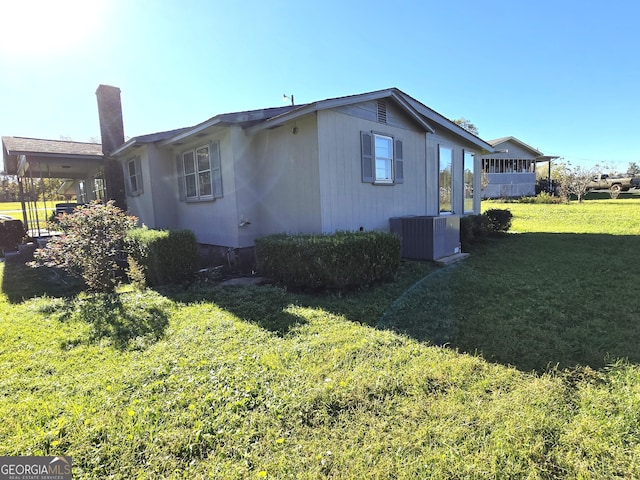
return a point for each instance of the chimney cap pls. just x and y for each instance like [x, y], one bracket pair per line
[102, 88]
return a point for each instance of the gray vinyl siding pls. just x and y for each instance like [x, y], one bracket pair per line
[214, 222]
[278, 182]
[510, 185]
[161, 175]
[141, 205]
[155, 206]
[346, 202]
[395, 116]
[514, 151]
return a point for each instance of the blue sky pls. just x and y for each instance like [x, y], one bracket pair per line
[562, 76]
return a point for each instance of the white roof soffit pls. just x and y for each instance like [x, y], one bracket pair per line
[339, 102]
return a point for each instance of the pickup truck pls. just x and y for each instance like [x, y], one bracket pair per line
[604, 181]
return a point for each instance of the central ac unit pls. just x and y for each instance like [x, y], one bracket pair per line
[427, 237]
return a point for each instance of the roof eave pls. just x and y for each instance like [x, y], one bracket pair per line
[190, 132]
[534, 151]
[436, 117]
[335, 103]
[133, 143]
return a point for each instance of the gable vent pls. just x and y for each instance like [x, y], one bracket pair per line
[382, 111]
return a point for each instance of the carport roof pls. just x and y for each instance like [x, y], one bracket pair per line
[58, 158]
[24, 146]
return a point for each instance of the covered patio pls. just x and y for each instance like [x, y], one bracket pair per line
[32, 161]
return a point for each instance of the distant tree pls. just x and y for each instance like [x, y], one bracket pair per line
[8, 189]
[633, 168]
[467, 125]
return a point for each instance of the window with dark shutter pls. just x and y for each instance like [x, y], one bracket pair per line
[382, 159]
[200, 173]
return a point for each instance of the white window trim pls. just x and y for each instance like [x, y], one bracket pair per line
[472, 154]
[137, 175]
[196, 173]
[451, 183]
[383, 181]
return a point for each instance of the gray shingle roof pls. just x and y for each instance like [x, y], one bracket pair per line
[22, 146]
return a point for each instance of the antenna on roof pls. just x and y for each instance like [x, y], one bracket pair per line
[286, 97]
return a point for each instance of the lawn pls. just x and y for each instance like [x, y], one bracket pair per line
[39, 213]
[537, 375]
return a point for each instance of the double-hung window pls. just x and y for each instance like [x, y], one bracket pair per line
[384, 158]
[201, 173]
[134, 177]
[382, 162]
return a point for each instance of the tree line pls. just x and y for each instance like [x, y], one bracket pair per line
[43, 189]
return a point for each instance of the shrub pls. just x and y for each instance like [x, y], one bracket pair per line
[541, 198]
[473, 228]
[90, 245]
[12, 232]
[467, 236]
[480, 226]
[339, 261]
[499, 220]
[164, 256]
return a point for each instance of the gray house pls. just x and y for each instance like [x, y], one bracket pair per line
[349, 163]
[511, 169]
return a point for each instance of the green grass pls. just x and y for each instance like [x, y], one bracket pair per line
[213, 382]
[14, 209]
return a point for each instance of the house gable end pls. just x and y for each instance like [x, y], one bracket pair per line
[390, 96]
[511, 147]
[385, 111]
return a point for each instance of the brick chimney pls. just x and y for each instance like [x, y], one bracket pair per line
[112, 133]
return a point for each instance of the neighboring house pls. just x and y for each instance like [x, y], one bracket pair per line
[511, 169]
[349, 163]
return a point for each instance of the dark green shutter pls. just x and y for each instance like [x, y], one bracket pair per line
[182, 195]
[367, 157]
[127, 179]
[398, 163]
[138, 163]
[216, 170]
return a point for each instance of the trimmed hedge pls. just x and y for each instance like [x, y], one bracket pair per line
[165, 256]
[343, 260]
[12, 232]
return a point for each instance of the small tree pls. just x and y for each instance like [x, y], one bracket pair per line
[574, 180]
[89, 247]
